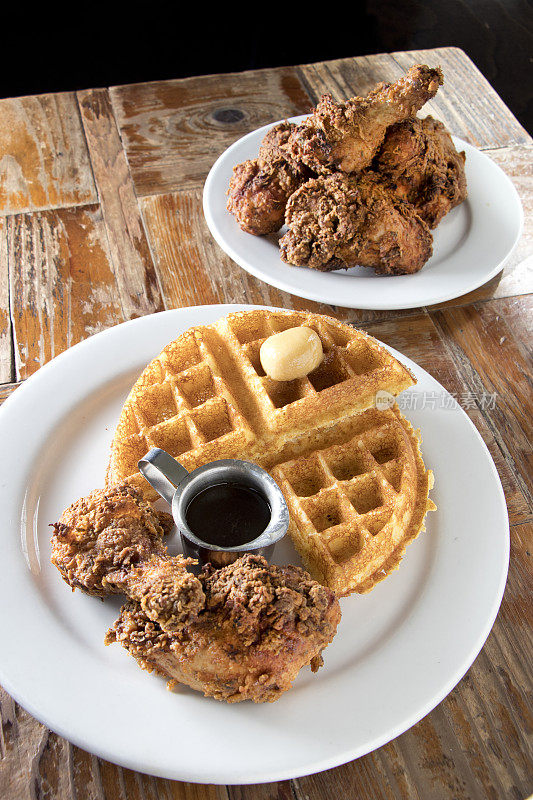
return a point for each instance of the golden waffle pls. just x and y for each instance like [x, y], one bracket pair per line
[357, 495]
[206, 397]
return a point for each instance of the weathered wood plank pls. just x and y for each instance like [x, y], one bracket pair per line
[283, 790]
[136, 279]
[23, 740]
[491, 343]
[176, 790]
[173, 131]
[517, 277]
[43, 154]
[348, 77]
[6, 350]
[62, 285]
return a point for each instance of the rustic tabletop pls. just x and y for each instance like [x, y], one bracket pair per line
[101, 204]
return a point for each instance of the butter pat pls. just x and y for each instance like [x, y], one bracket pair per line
[291, 354]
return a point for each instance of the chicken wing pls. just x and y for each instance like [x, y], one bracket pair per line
[341, 221]
[112, 543]
[259, 188]
[261, 624]
[420, 161]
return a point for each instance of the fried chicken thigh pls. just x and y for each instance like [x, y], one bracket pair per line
[112, 543]
[260, 625]
[422, 166]
[341, 221]
[260, 187]
[346, 136]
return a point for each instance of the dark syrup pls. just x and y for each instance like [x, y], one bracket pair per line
[228, 514]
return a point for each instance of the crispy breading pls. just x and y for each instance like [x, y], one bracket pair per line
[421, 165]
[260, 187]
[261, 624]
[342, 221]
[111, 542]
[345, 136]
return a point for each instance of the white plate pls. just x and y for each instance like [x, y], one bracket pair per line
[470, 245]
[399, 650]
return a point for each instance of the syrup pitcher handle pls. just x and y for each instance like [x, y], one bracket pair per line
[162, 472]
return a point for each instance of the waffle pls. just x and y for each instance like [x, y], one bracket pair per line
[357, 495]
[206, 397]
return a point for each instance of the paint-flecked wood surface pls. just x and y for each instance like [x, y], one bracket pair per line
[101, 221]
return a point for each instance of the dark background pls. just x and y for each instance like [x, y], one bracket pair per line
[61, 47]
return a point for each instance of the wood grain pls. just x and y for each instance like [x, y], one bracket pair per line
[6, 389]
[173, 131]
[138, 286]
[516, 277]
[492, 347]
[6, 338]
[43, 156]
[62, 285]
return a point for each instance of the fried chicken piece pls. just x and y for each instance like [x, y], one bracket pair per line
[341, 221]
[261, 624]
[260, 187]
[111, 542]
[346, 136]
[420, 161]
[275, 141]
[258, 193]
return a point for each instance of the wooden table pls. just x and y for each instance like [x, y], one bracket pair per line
[100, 196]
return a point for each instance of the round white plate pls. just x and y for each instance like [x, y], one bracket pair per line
[470, 245]
[398, 651]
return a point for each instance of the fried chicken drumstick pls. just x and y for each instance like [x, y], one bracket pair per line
[346, 136]
[419, 161]
[261, 624]
[260, 187]
[340, 221]
[112, 543]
